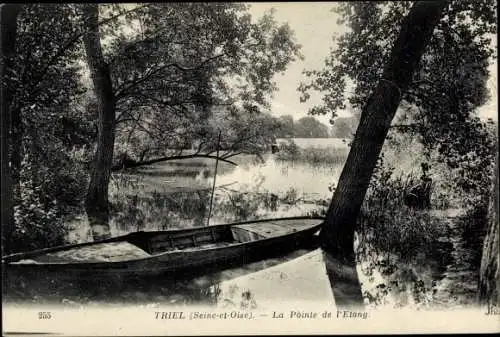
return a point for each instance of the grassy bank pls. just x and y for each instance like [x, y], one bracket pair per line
[426, 257]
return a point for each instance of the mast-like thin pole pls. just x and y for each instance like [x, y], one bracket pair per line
[215, 176]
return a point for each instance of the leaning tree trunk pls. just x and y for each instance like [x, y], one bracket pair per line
[338, 232]
[489, 275]
[8, 27]
[96, 203]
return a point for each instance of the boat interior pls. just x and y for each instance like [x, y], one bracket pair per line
[143, 244]
[155, 243]
[217, 236]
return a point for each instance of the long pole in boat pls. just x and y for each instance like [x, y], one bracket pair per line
[215, 176]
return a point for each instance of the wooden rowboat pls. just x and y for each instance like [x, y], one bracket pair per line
[155, 252]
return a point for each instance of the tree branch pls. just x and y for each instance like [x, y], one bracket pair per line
[159, 160]
[122, 92]
[408, 126]
[75, 39]
[229, 154]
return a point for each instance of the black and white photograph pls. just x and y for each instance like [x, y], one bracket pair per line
[207, 168]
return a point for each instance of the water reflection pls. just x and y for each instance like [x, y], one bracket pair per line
[205, 287]
[151, 199]
[176, 195]
[344, 281]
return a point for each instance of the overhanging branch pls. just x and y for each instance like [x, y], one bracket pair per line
[163, 159]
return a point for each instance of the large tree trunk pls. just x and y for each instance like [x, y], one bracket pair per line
[338, 232]
[8, 27]
[97, 205]
[489, 276]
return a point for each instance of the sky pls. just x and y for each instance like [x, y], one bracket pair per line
[315, 24]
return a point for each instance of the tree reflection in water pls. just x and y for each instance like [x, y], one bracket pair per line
[201, 287]
[344, 281]
[147, 202]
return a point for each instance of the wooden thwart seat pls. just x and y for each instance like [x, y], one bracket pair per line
[177, 241]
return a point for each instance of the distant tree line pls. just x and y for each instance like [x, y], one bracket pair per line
[305, 127]
[344, 127]
[310, 127]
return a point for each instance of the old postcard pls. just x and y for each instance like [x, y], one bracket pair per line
[249, 168]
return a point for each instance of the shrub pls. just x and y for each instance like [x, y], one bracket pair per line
[288, 150]
[52, 185]
[316, 155]
[387, 224]
[36, 225]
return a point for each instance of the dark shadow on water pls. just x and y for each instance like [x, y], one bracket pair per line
[344, 282]
[163, 210]
[174, 173]
[192, 287]
[135, 209]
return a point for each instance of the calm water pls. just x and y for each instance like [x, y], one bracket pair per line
[318, 142]
[176, 194]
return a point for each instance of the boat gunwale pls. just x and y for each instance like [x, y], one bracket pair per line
[152, 258]
[81, 265]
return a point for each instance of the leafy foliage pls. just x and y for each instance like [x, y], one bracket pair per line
[242, 132]
[188, 63]
[447, 88]
[311, 155]
[389, 223]
[173, 67]
[37, 224]
[48, 133]
[310, 127]
[289, 150]
[305, 127]
[344, 127]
